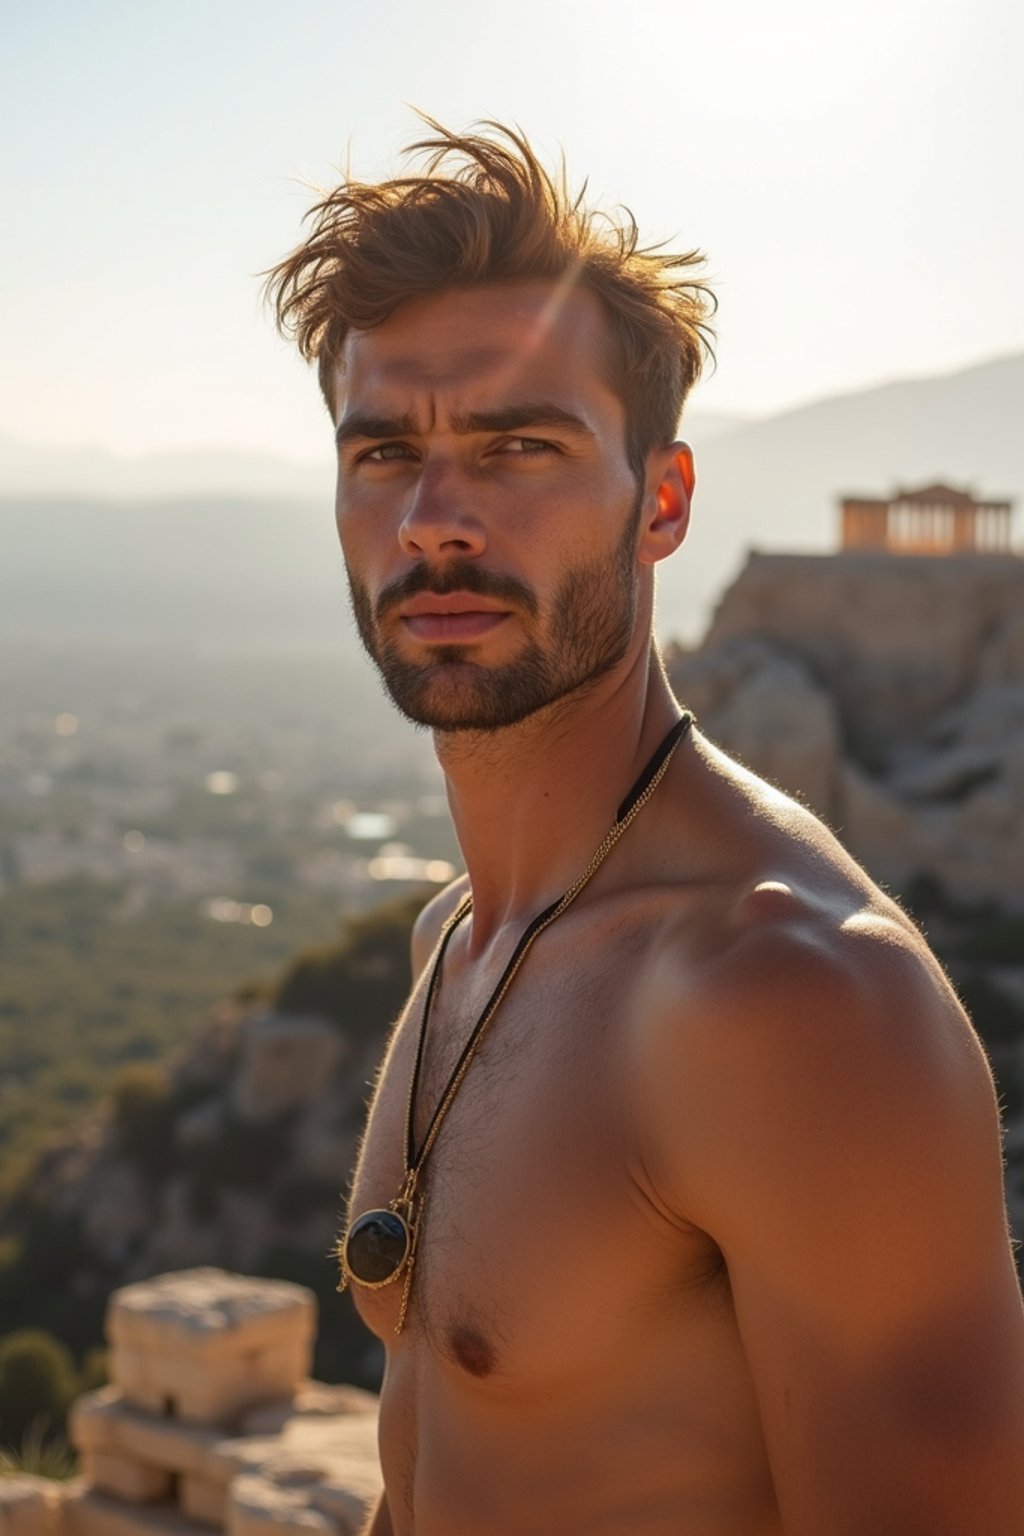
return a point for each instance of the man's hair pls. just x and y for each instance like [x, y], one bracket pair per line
[486, 211]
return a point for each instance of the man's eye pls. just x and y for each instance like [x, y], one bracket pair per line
[527, 445]
[384, 453]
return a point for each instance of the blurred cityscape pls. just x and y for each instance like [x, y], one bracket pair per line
[259, 782]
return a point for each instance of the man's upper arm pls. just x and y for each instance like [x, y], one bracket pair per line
[832, 1126]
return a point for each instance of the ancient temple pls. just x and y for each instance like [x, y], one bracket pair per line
[934, 520]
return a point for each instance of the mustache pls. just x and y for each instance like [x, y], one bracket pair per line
[457, 576]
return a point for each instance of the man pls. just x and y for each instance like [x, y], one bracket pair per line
[679, 1208]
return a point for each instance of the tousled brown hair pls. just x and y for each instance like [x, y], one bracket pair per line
[486, 211]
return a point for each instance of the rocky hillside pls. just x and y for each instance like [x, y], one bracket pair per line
[236, 1156]
[887, 692]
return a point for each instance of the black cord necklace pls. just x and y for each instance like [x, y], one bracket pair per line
[380, 1245]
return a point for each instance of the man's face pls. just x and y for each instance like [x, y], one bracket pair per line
[486, 507]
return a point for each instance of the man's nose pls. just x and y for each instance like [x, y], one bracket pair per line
[441, 520]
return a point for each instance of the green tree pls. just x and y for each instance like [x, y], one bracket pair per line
[37, 1383]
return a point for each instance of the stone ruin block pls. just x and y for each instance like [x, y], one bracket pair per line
[106, 1424]
[204, 1499]
[264, 1507]
[206, 1345]
[29, 1506]
[139, 1456]
[313, 1400]
[127, 1479]
[88, 1513]
[212, 1424]
[318, 1473]
[313, 1470]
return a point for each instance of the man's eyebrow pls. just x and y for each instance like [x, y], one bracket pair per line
[507, 418]
[362, 425]
[511, 418]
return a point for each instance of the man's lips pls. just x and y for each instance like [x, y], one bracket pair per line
[450, 602]
[453, 616]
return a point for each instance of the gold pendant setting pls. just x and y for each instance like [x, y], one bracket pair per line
[377, 1248]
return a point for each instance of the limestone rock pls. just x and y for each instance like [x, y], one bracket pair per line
[284, 1063]
[180, 1442]
[313, 1399]
[1002, 660]
[223, 1311]
[311, 1462]
[204, 1344]
[179, 1238]
[314, 1447]
[86, 1512]
[323, 1146]
[319, 1473]
[992, 716]
[243, 1225]
[29, 1506]
[259, 1506]
[877, 828]
[119, 1209]
[125, 1478]
[916, 667]
[203, 1499]
[894, 639]
[107, 1423]
[766, 708]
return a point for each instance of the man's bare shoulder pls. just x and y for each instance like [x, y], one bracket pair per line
[796, 990]
[786, 961]
[431, 920]
[813, 1031]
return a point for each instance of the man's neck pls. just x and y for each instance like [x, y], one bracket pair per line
[532, 802]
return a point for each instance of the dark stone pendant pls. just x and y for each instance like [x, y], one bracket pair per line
[376, 1248]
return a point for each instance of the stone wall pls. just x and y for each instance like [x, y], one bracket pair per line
[210, 1423]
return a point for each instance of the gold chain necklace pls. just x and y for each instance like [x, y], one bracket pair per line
[380, 1245]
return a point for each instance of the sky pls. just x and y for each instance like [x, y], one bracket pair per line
[854, 173]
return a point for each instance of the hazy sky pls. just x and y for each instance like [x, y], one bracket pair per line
[855, 174]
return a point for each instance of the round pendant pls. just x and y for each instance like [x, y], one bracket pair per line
[376, 1247]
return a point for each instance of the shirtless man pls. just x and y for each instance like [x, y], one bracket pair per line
[711, 1239]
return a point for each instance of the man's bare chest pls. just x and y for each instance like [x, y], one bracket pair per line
[533, 1197]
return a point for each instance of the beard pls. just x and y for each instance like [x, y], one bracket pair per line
[591, 623]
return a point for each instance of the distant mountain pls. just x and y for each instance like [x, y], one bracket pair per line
[243, 545]
[245, 573]
[700, 427]
[93, 475]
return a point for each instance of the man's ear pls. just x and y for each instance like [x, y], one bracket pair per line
[670, 483]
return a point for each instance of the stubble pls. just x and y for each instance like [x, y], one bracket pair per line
[584, 636]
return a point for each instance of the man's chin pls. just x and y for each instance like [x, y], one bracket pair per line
[449, 710]
[458, 695]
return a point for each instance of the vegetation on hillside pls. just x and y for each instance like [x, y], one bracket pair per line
[86, 989]
[359, 982]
